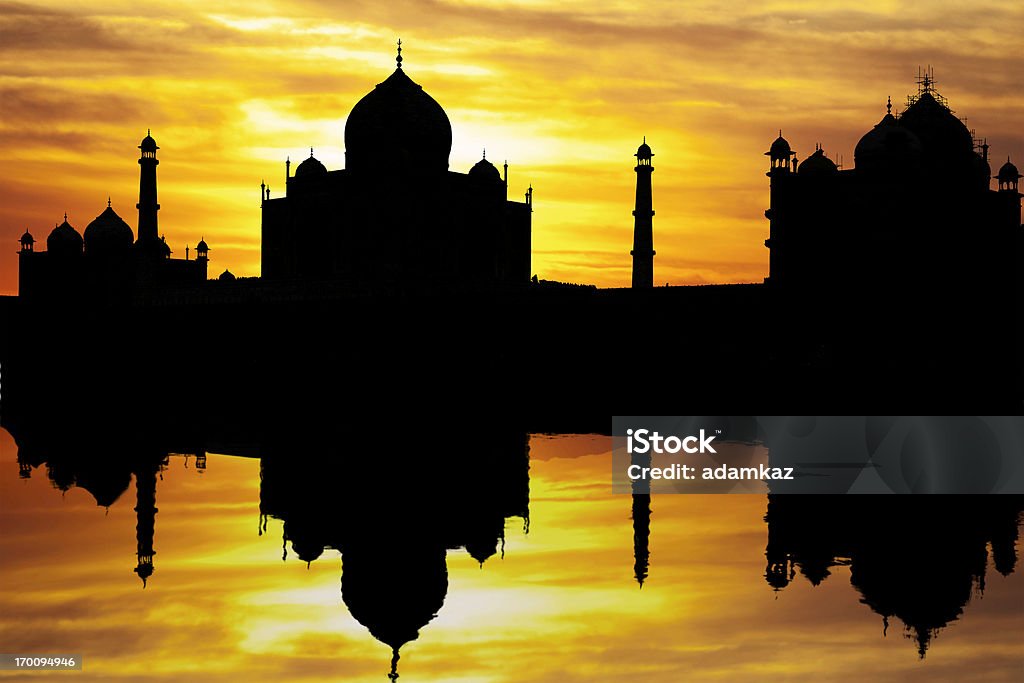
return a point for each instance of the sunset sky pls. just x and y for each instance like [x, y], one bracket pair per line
[564, 91]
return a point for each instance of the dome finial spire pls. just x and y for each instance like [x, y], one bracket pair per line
[485, 153]
[66, 213]
[398, 59]
[393, 674]
[108, 201]
[888, 105]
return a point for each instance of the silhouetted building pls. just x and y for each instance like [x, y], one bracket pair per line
[108, 263]
[913, 213]
[396, 213]
[643, 225]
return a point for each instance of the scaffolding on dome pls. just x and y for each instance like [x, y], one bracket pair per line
[926, 85]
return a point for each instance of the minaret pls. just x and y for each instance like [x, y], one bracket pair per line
[147, 206]
[145, 514]
[202, 258]
[643, 231]
[782, 163]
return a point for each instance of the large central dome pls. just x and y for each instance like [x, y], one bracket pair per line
[938, 128]
[398, 124]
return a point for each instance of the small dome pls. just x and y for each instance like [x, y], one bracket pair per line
[780, 149]
[64, 239]
[887, 145]
[148, 144]
[27, 238]
[226, 276]
[484, 170]
[107, 234]
[202, 246]
[1008, 173]
[817, 164]
[310, 167]
[398, 123]
[644, 151]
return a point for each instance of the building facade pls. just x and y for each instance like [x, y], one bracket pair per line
[396, 213]
[915, 215]
[106, 262]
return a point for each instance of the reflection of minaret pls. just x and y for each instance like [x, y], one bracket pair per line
[145, 513]
[148, 205]
[643, 237]
[779, 571]
[641, 519]
[641, 534]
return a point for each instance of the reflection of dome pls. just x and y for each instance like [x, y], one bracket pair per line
[310, 167]
[108, 234]
[304, 544]
[484, 170]
[397, 122]
[817, 164]
[105, 485]
[481, 548]
[938, 129]
[887, 145]
[64, 239]
[394, 591]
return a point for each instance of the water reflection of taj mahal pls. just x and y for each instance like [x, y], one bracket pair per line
[921, 564]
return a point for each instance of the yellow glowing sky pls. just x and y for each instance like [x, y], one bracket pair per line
[565, 91]
[561, 606]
